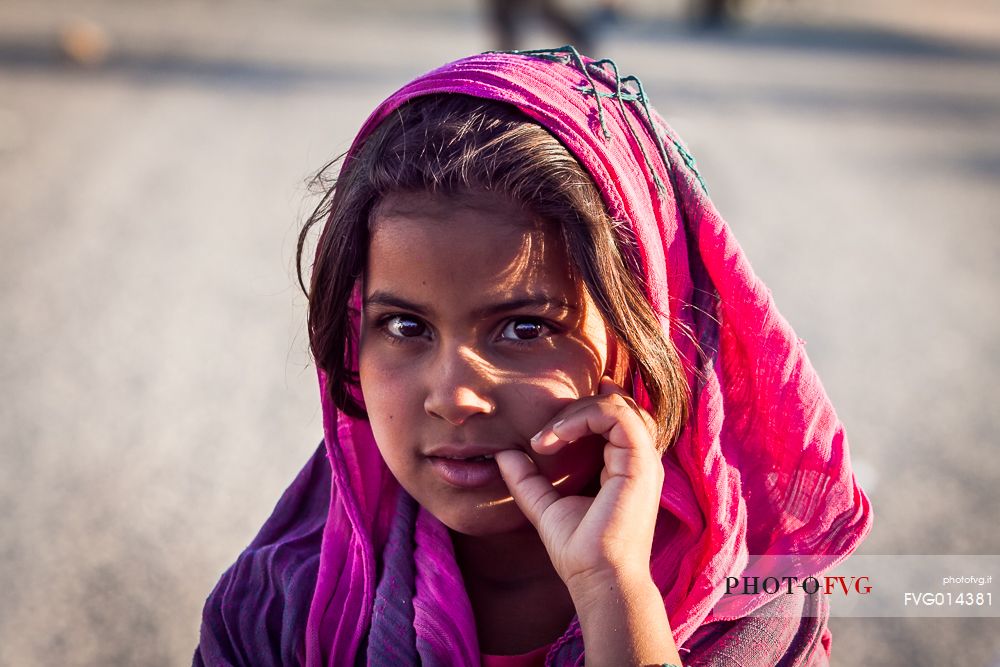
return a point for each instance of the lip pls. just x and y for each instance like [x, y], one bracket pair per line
[466, 466]
[467, 474]
[457, 451]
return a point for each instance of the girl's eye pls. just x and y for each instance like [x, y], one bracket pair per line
[523, 330]
[402, 326]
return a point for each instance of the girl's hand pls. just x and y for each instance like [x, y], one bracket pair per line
[601, 546]
[594, 541]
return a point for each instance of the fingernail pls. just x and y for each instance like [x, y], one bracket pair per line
[538, 436]
[547, 436]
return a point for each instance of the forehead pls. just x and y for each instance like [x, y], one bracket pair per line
[480, 247]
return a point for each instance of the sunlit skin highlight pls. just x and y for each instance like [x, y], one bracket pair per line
[510, 499]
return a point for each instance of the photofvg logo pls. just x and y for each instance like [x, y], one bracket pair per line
[865, 586]
[827, 585]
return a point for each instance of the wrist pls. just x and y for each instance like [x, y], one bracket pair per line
[591, 586]
[622, 619]
[612, 591]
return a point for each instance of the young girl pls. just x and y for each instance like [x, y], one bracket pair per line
[559, 409]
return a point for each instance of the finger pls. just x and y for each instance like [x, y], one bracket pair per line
[531, 490]
[614, 419]
[609, 386]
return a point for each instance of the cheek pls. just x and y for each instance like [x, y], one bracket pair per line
[532, 402]
[577, 372]
[372, 378]
[384, 388]
[383, 373]
[539, 391]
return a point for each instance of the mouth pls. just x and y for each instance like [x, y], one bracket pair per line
[472, 459]
[466, 470]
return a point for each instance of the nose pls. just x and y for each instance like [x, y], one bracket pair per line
[459, 386]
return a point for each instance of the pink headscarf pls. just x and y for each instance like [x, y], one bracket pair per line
[761, 468]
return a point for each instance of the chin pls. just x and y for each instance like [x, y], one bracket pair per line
[506, 518]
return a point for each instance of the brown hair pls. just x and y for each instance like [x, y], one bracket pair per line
[454, 145]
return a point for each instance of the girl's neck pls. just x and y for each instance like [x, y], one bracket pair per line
[519, 601]
[510, 559]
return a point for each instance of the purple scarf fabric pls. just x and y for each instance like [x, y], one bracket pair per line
[762, 467]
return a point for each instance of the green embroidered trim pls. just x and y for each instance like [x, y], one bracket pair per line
[607, 70]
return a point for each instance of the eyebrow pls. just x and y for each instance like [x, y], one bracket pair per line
[383, 298]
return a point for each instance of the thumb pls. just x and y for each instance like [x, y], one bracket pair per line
[531, 490]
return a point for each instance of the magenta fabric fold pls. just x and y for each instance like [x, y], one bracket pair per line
[761, 468]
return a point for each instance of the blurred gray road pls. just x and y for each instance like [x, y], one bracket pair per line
[157, 395]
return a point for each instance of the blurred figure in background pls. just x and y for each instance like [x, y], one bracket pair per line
[507, 17]
[716, 13]
[608, 12]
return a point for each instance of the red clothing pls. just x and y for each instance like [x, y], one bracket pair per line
[534, 658]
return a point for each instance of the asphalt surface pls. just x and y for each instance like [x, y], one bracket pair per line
[157, 393]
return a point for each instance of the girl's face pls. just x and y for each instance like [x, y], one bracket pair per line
[473, 337]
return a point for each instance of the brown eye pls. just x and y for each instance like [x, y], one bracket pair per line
[402, 326]
[520, 330]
